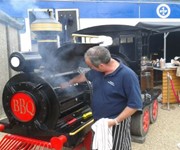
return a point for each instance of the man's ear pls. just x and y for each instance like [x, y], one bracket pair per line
[101, 65]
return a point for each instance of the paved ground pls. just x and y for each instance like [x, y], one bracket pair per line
[164, 134]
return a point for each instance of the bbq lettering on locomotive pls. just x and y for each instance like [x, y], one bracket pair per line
[23, 107]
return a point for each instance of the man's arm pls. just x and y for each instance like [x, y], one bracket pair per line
[127, 112]
[77, 79]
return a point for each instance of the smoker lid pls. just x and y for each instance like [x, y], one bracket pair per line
[69, 56]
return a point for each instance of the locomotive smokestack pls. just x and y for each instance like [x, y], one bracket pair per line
[46, 25]
[46, 29]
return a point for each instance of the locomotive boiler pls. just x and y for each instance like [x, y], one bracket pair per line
[35, 104]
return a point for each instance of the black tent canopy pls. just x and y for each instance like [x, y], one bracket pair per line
[160, 27]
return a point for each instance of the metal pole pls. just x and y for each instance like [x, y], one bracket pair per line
[165, 36]
[168, 107]
[168, 91]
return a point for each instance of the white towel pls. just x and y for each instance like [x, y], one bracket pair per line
[103, 135]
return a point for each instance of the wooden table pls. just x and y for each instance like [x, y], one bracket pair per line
[169, 95]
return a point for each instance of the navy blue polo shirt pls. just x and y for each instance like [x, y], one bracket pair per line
[113, 92]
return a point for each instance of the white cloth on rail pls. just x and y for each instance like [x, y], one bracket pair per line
[102, 139]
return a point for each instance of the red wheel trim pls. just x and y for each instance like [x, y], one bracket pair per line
[155, 109]
[146, 120]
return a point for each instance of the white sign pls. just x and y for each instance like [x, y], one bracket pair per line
[163, 11]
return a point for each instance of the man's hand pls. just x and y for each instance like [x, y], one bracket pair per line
[73, 82]
[64, 85]
[111, 122]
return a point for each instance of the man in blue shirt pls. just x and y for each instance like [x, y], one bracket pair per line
[116, 93]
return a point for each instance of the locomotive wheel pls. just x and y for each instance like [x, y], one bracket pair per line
[153, 111]
[140, 122]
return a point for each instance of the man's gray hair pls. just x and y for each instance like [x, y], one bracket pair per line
[98, 55]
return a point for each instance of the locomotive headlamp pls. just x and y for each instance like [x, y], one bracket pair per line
[24, 61]
[15, 61]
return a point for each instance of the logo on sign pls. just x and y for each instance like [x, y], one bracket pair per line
[163, 11]
[23, 107]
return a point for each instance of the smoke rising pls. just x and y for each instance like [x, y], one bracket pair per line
[55, 60]
[21, 5]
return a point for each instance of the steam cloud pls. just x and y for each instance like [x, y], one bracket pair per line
[20, 5]
[65, 61]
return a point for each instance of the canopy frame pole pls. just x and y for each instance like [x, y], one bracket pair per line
[165, 37]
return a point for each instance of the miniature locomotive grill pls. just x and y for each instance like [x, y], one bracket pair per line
[37, 107]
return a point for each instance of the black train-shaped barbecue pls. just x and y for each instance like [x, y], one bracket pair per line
[35, 104]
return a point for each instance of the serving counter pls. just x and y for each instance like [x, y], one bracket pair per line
[167, 91]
